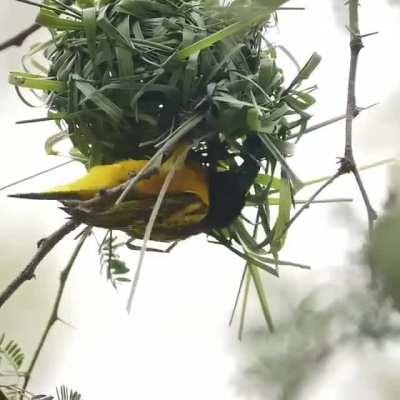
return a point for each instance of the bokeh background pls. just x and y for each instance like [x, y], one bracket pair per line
[176, 344]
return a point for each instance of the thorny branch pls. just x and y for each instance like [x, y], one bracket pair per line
[356, 45]
[54, 316]
[44, 247]
[19, 39]
[347, 163]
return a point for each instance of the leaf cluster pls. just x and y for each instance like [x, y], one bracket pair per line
[110, 260]
[11, 352]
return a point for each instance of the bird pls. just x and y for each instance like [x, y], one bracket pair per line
[198, 199]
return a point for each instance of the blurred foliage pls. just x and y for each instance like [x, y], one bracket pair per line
[13, 392]
[333, 318]
[383, 250]
[284, 363]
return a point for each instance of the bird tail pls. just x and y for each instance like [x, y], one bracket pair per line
[46, 196]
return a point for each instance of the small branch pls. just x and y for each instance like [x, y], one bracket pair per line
[19, 39]
[356, 45]
[372, 215]
[44, 247]
[54, 317]
[362, 168]
[330, 121]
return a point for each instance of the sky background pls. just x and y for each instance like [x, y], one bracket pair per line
[176, 344]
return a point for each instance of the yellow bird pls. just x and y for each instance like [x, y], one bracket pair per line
[198, 199]
[181, 214]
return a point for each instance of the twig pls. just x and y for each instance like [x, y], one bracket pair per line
[44, 247]
[19, 39]
[330, 122]
[54, 317]
[356, 45]
[362, 168]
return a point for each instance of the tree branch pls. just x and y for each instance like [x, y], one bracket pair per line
[44, 247]
[19, 39]
[54, 316]
[356, 45]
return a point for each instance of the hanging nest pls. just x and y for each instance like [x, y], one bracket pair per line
[140, 80]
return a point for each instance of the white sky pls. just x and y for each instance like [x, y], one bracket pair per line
[176, 344]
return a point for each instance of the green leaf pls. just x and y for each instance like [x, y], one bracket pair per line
[299, 100]
[244, 302]
[51, 20]
[297, 183]
[230, 30]
[53, 140]
[281, 223]
[85, 3]
[112, 32]
[309, 67]
[268, 180]
[89, 23]
[307, 70]
[255, 274]
[124, 55]
[145, 9]
[32, 81]
[266, 72]
[12, 353]
[103, 102]
[190, 73]
[253, 120]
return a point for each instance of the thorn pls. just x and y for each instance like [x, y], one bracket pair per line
[40, 242]
[65, 323]
[368, 34]
[367, 107]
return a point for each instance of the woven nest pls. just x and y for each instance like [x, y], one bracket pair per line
[131, 79]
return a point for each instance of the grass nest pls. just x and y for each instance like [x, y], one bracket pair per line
[132, 79]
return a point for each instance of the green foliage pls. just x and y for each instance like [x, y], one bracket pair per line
[382, 250]
[116, 269]
[11, 352]
[64, 393]
[323, 324]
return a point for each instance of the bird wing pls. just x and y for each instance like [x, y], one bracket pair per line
[189, 178]
[180, 215]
